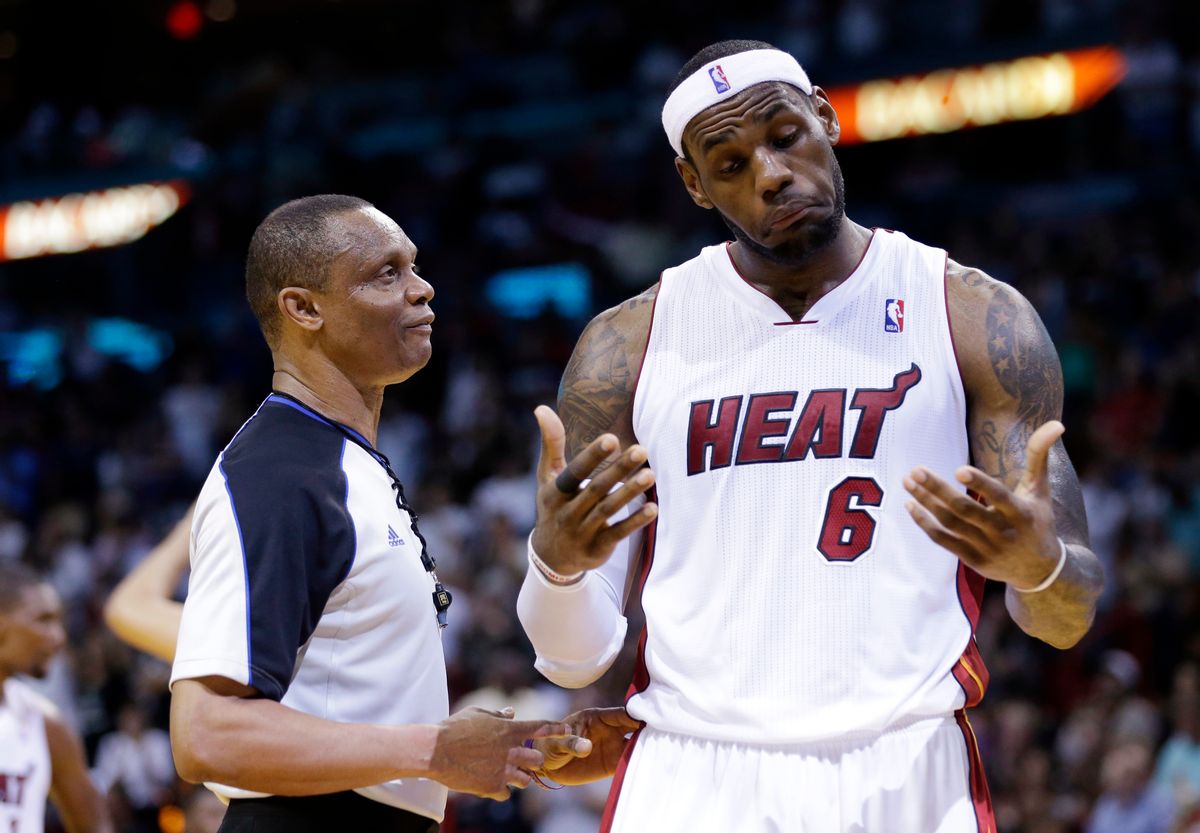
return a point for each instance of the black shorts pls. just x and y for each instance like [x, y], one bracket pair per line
[331, 813]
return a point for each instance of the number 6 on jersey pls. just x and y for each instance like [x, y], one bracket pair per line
[849, 529]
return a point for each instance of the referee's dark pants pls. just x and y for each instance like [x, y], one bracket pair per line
[334, 813]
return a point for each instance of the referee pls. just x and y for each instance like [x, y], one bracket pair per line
[309, 685]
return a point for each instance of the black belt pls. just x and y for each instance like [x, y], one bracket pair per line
[332, 813]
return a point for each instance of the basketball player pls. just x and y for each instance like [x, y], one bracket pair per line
[814, 399]
[39, 754]
[308, 683]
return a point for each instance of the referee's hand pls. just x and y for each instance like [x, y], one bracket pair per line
[483, 752]
[572, 532]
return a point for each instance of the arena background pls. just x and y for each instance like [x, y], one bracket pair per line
[518, 144]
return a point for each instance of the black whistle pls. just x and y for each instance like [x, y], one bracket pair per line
[441, 603]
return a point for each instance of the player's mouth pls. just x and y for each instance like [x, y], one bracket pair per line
[789, 215]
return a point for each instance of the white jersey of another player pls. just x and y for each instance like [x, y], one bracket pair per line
[788, 595]
[24, 759]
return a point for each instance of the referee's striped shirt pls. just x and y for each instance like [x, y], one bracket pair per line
[307, 584]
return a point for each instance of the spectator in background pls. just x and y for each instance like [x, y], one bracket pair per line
[1178, 768]
[136, 761]
[1130, 802]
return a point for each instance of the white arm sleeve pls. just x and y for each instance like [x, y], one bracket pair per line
[578, 630]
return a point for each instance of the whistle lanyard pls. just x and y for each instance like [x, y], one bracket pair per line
[441, 596]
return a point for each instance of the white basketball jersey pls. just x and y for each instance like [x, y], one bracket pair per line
[789, 596]
[24, 760]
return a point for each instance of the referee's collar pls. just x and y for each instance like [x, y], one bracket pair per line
[293, 402]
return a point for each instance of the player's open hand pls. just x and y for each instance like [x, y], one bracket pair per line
[1012, 537]
[605, 732]
[483, 752]
[572, 532]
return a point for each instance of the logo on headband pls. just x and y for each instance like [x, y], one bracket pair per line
[719, 80]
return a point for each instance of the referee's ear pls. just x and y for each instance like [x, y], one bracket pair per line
[298, 305]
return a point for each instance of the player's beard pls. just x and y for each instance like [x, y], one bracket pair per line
[798, 250]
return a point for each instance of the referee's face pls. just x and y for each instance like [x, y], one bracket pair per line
[377, 319]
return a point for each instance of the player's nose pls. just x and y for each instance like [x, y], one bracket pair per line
[772, 173]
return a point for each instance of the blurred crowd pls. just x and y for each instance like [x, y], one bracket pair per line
[525, 136]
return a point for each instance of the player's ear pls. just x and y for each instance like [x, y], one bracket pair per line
[299, 306]
[826, 115]
[691, 181]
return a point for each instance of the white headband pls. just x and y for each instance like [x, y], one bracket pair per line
[723, 78]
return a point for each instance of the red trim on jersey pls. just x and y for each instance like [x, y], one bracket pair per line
[646, 349]
[970, 671]
[610, 806]
[641, 674]
[981, 797]
[970, 593]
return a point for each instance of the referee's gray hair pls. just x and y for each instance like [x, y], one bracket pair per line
[293, 246]
[15, 578]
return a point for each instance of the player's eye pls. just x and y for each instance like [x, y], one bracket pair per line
[787, 140]
[731, 167]
[416, 269]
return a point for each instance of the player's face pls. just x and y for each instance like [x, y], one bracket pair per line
[764, 160]
[32, 632]
[376, 310]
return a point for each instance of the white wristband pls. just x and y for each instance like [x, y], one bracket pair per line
[544, 568]
[1050, 579]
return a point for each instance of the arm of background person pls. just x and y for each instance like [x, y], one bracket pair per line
[578, 629]
[221, 732]
[80, 804]
[140, 609]
[1014, 393]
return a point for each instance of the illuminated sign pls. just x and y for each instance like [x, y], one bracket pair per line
[952, 99]
[87, 221]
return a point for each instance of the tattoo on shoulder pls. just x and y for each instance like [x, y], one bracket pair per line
[1025, 364]
[597, 385]
[970, 277]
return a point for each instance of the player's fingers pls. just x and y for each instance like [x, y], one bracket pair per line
[554, 443]
[948, 519]
[997, 495]
[637, 484]
[602, 483]
[1037, 452]
[618, 718]
[940, 535]
[568, 747]
[609, 536]
[632, 459]
[581, 466]
[966, 518]
[960, 503]
[541, 729]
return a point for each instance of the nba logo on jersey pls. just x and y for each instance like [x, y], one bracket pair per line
[893, 315]
[718, 78]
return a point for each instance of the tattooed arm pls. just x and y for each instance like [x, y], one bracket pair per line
[571, 602]
[596, 392]
[1014, 390]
